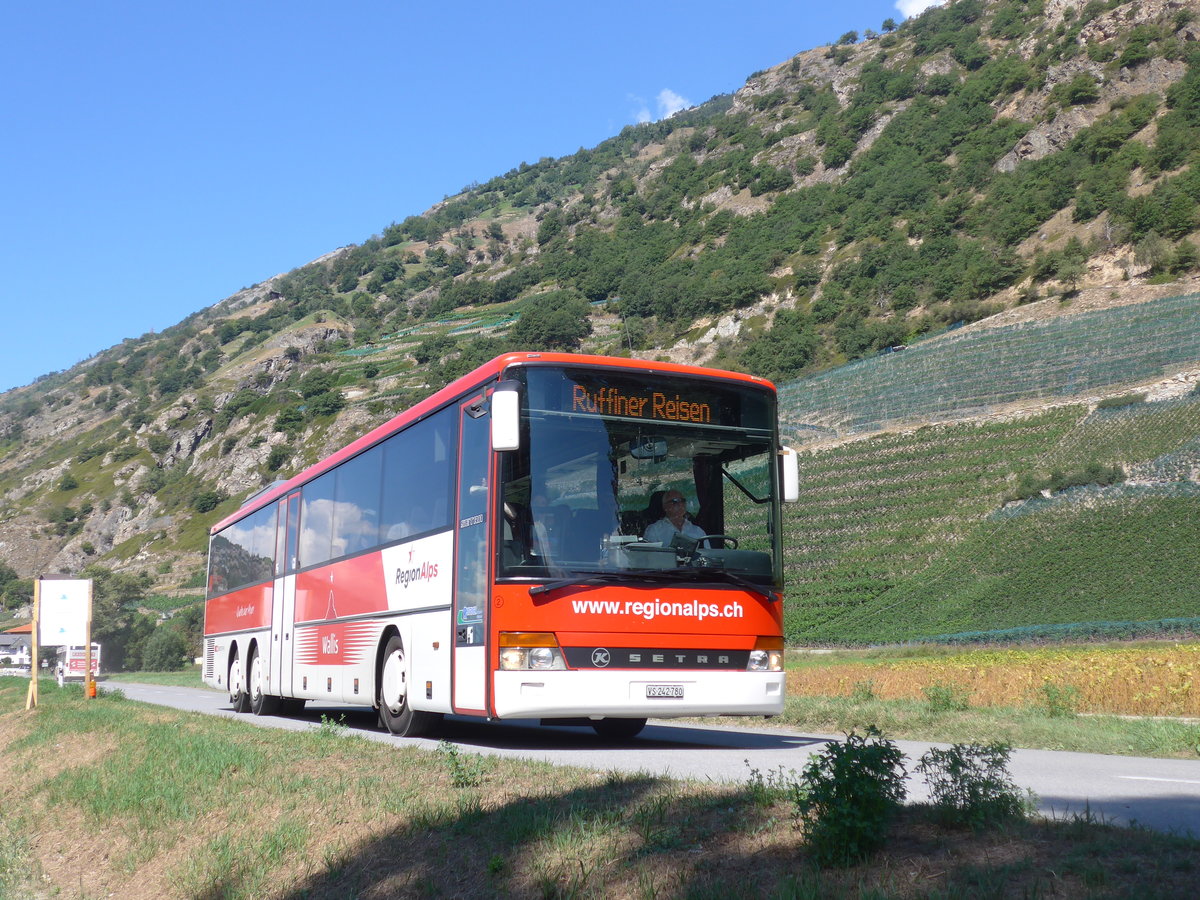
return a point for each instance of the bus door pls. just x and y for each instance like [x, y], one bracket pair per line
[283, 606]
[471, 568]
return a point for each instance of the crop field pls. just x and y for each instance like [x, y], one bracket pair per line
[1143, 680]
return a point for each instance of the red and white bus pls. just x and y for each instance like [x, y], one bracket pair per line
[71, 663]
[484, 554]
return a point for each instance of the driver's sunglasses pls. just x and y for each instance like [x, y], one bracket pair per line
[676, 500]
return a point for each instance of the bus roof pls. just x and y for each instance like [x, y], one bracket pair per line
[486, 372]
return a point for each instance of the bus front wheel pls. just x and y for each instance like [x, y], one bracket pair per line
[395, 713]
[618, 729]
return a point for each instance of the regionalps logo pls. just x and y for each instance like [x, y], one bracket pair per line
[426, 571]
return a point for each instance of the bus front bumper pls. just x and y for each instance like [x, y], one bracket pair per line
[637, 693]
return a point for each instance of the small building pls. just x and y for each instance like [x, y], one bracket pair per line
[15, 647]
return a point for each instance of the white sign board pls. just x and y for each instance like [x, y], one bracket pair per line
[66, 609]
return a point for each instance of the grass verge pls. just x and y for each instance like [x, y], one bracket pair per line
[138, 802]
[191, 677]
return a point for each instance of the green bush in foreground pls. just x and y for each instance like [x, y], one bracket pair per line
[969, 784]
[851, 791]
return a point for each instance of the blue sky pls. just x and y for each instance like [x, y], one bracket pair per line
[158, 157]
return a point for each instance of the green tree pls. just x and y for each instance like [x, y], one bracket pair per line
[1153, 251]
[207, 501]
[1185, 258]
[556, 320]
[165, 650]
[433, 348]
[315, 382]
[1070, 272]
[290, 419]
[550, 227]
[279, 455]
[784, 350]
[115, 625]
[326, 404]
[189, 621]
[7, 575]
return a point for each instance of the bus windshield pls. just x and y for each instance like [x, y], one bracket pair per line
[634, 475]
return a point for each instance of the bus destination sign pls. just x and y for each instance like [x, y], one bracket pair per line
[659, 405]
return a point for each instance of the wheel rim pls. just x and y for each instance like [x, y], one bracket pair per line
[256, 677]
[393, 691]
[235, 680]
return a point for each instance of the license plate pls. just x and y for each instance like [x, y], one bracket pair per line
[665, 690]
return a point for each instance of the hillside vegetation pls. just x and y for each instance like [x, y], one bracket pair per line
[1081, 515]
[981, 161]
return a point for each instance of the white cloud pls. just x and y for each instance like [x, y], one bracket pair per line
[670, 103]
[641, 111]
[912, 8]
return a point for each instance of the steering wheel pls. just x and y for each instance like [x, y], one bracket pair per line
[724, 538]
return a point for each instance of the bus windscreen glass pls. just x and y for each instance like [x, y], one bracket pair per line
[666, 476]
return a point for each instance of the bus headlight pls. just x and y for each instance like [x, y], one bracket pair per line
[767, 655]
[521, 650]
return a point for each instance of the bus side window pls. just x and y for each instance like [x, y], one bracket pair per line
[316, 521]
[356, 505]
[417, 479]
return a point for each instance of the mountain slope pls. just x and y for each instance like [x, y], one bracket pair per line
[980, 158]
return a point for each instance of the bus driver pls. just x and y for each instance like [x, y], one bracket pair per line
[673, 522]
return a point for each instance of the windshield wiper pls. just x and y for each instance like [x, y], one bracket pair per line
[583, 578]
[733, 578]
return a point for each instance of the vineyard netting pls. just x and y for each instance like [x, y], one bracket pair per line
[1070, 515]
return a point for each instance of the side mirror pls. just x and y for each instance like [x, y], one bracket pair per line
[506, 416]
[790, 462]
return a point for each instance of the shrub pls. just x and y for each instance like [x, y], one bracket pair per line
[851, 791]
[279, 454]
[290, 419]
[1122, 400]
[863, 691]
[969, 784]
[465, 770]
[946, 697]
[207, 501]
[1058, 701]
[124, 452]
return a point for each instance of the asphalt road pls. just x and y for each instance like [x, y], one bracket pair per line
[1162, 794]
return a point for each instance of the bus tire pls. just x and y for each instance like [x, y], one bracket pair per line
[618, 729]
[238, 695]
[261, 703]
[395, 713]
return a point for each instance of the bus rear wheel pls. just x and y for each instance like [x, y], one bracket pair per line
[618, 729]
[262, 703]
[395, 713]
[238, 694]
